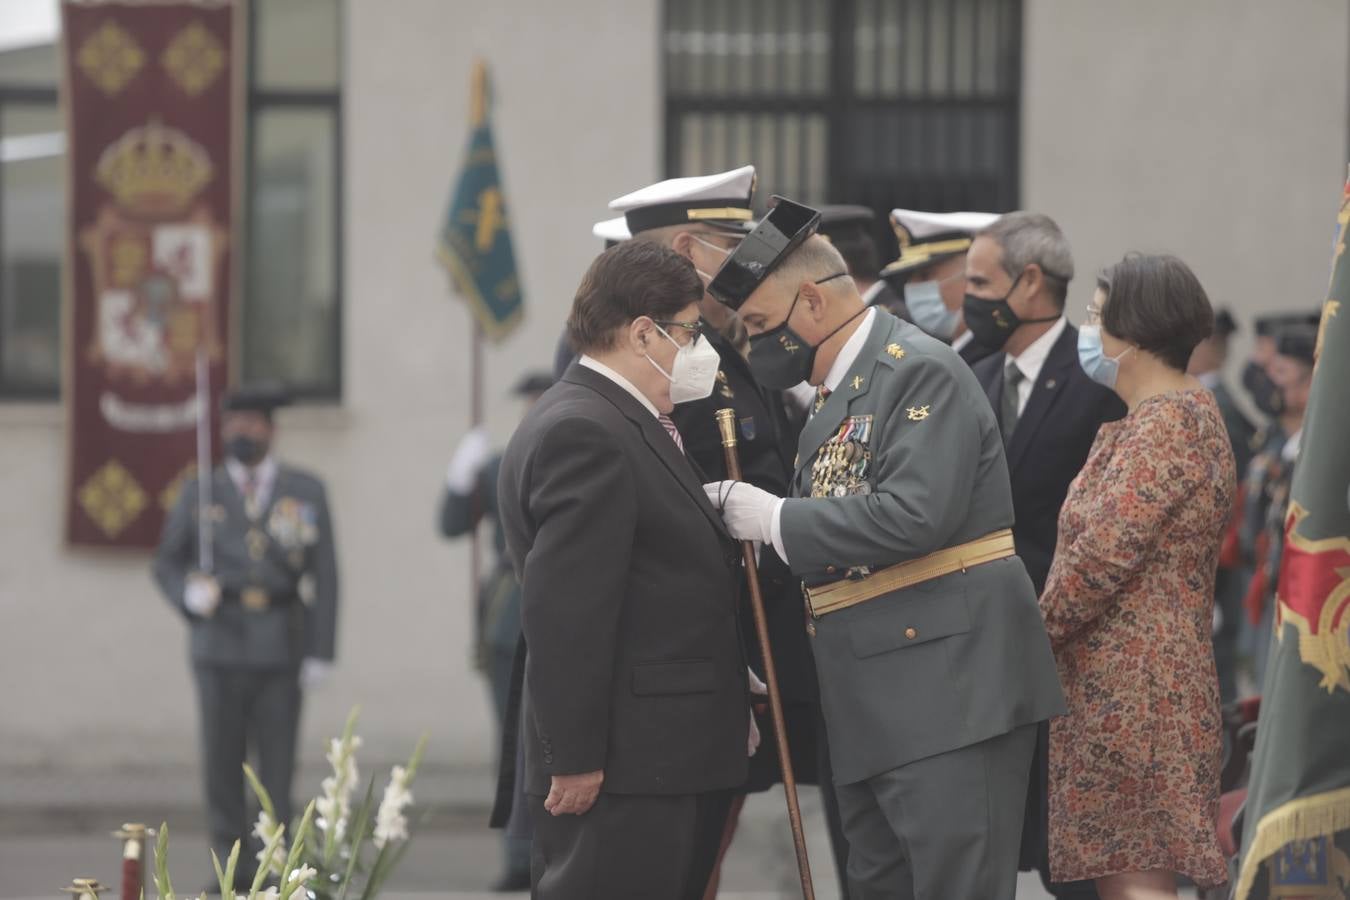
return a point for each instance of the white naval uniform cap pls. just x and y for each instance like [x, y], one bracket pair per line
[927, 237]
[720, 201]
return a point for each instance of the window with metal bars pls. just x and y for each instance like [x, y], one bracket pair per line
[886, 103]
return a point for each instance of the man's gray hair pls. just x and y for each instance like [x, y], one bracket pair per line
[1027, 238]
[816, 258]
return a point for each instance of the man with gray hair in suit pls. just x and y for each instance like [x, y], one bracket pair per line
[933, 661]
[261, 608]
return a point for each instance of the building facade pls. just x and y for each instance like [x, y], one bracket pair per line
[1215, 129]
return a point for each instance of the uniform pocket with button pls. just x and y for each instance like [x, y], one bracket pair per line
[909, 621]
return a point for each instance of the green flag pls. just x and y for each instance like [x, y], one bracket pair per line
[475, 240]
[1296, 834]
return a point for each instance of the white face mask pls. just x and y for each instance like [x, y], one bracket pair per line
[711, 246]
[695, 370]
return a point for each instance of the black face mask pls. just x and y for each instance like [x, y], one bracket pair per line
[780, 358]
[992, 322]
[249, 451]
[1267, 397]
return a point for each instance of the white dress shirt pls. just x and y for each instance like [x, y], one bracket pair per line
[848, 355]
[959, 342]
[1031, 360]
[263, 476]
[596, 366]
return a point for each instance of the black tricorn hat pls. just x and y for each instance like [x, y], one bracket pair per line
[780, 232]
[259, 398]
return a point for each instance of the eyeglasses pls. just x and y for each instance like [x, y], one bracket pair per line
[694, 329]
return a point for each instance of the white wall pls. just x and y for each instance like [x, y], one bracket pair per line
[92, 663]
[1212, 129]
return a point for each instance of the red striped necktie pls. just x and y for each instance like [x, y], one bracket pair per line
[671, 430]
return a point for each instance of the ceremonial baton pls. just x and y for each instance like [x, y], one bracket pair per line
[726, 424]
[205, 524]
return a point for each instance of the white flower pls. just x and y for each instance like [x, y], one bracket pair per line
[390, 823]
[302, 874]
[265, 829]
[334, 807]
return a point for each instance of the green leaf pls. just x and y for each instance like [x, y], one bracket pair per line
[268, 852]
[227, 884]
[297, 851]
[264, 798]
[225, 888]
[358, 836]
[418, 752]
[377, 872]
[162, 882]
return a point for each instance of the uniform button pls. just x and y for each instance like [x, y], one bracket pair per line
[548, 758]
[911, 633]
[811, 629]
[830, 570]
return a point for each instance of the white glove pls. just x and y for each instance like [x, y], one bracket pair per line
[756, 687]
[747, 510]
[202, 595]
[470, 456]
[314, 673]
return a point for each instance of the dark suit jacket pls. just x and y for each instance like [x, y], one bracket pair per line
[973, 352]
[633, 659]
[1050, 444]
[1240, 429]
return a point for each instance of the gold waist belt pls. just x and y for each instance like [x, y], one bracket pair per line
[842, 594]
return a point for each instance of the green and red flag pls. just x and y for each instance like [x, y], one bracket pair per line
[1296, 834]
[475, 238]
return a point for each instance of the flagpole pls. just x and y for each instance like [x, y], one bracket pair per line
[475, 421]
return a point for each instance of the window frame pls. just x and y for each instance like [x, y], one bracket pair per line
[329, 101]
[841, 101]
[33, 96]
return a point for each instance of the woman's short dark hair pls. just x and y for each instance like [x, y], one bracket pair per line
[627, 281]
[1156, 303]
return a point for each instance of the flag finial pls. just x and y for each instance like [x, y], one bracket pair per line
[478, 94]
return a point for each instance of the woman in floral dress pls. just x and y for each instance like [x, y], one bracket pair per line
[1134, 766]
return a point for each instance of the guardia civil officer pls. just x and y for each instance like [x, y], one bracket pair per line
[262, 617]
[933, 663]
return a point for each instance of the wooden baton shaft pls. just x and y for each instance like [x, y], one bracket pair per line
[726, 425]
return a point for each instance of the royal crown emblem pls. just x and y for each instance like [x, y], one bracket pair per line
[154, 171]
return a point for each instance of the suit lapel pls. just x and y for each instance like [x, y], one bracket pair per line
[653, 434]
[1049, 385]
[824, 423]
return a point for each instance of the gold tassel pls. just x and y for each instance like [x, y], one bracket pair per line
[1321, 815]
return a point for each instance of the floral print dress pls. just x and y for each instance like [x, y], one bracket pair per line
[1134, 766]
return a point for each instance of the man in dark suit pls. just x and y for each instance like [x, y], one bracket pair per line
[635, 700]
[1048, 412]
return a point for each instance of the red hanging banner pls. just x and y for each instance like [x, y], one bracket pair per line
[152, 94]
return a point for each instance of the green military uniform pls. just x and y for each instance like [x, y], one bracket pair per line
[931, 692]
[276, 566]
